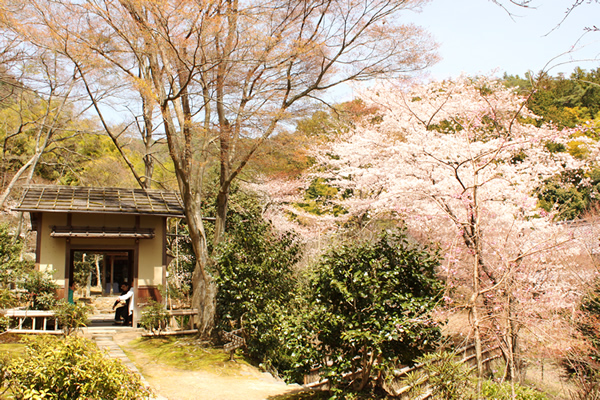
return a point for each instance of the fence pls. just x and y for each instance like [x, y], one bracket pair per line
[396, 387]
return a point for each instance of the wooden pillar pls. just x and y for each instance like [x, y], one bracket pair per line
[112, 273]
[104, 274]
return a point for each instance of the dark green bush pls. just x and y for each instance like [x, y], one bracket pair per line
[256, 283]
[369, 301]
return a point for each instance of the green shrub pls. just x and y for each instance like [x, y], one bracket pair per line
[71, 317]
[8, 299]
[371, 300]
[12, 267]
[41, 290]
[155, 317]
[447, 377]
[319, 199]
[570, 193]
[450, 379]
[4, 323]
[71, 368]
[503, 391]
[256, 284]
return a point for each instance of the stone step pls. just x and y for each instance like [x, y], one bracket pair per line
[101, 304]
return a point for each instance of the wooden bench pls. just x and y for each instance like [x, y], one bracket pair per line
[39, 321]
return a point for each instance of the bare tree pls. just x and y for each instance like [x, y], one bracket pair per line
[38, 107]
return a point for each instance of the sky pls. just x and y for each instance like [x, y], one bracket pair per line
[479, 37]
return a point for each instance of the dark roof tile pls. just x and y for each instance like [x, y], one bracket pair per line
[100, 200]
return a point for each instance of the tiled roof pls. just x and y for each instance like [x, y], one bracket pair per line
[100, 200]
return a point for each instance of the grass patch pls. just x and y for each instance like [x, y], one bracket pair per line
[308, 395]
[187, 354]
[11, 345]
[13, 350]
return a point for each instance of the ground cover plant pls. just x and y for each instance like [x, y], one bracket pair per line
[188, 353]
[447, 377]
[70, 368]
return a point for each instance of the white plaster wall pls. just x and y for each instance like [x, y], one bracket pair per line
[151, 253]
[52, 251]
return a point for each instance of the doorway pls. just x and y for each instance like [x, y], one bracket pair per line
[101, 272]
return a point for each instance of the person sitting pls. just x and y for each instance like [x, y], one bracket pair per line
[125, 311]
[71, 293]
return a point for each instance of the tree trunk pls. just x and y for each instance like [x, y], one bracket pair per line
[477, 334]
[220, 223]
[98, 277]
[511, 341]
[204, 289]
[204, 298]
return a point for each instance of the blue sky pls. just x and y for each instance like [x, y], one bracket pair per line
[479, 37]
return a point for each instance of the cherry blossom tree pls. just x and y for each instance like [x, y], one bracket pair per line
[460, 161]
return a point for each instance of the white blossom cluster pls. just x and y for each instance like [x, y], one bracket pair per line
[444, 153]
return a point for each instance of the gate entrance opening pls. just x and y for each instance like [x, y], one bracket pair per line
[102, 271]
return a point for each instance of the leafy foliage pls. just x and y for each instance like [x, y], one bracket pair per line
[71, 368]
[503, 391]
[12, 266]
[154, 317]
[71, 317]
[371, 301]
[447, 377]
[256, 280]
[562, 101]
[567, 102]
[571, 193]
[16, 272]
[319, 199]
[41, 290]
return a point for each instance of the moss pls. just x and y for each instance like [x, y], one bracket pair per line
[187, 354]
[304, 395]
[12, 349]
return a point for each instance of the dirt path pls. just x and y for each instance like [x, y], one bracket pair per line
[245, 383]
